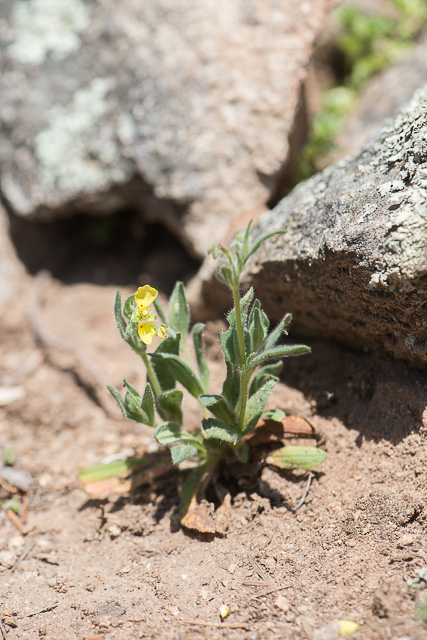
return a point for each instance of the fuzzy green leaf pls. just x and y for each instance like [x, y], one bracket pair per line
[257, 402]
[294, 457]
[118, 398]
[260, 240]
[179, 311]
[169, 405]
[133, 402]
[230, 346]
[200, 356]
[181, 452]
[147, 405]
[275, 335]
[231, 386]
[121, 324]
[224, 274]
[220, 430]
[279, 352]
[168, 433]
[258, 326]
[245, 302]
[274, 414]
[263, 374]
[217, 405]
[98, 472]
[181, 372]
[164, 374]
[129, 306]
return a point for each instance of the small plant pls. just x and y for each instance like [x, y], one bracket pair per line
[230, 415]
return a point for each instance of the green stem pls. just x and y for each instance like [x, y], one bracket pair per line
[239, 325]
[152, 377]
[243, 400]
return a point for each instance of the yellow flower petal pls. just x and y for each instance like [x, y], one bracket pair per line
[162, 332]
[347, 627]
[146, 332]
[145, 296]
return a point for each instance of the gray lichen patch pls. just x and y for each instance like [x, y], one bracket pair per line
[47, 26]
[64, 150]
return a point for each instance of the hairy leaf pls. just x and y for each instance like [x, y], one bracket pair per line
[260, 240]
[129, 306]
[297, 457]
[181, 452]
[230, 346]
[263, 374]
[279, 352]
[179, 311]
[274, 336]
[147, 405]
[220, 430]
[164, 374]
[231, 386]
[168, 433]
[169, 405]
[245, 301]
[257, 402]
[118, 398]
[98, 472]
[200, 356]
[217, 405]
[121, 324]
[133, 402]
[258, 326]
[181, 372]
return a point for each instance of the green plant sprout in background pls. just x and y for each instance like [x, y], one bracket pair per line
[368, 43]
[228, 417]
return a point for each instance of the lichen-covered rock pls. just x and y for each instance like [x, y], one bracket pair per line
[182, 109]
[382, 97]
[353, 265]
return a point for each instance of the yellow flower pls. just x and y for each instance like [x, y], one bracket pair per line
[144, 297]
[147, 329]
[162, 331]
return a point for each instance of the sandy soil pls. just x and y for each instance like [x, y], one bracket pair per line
[122, 568]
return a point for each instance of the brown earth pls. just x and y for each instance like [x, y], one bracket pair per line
[122, 568]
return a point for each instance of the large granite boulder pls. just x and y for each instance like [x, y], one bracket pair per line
[182, 109]
[353, 265]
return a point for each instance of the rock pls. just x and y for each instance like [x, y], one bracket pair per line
[12, 273]
[382, 97]
[180, 109]
[353, 264]
[19, 478]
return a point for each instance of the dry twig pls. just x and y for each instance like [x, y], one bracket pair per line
[307, 489]
[217, 625]
[23, 555]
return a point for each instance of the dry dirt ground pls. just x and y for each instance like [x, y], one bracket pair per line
[122, 568]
